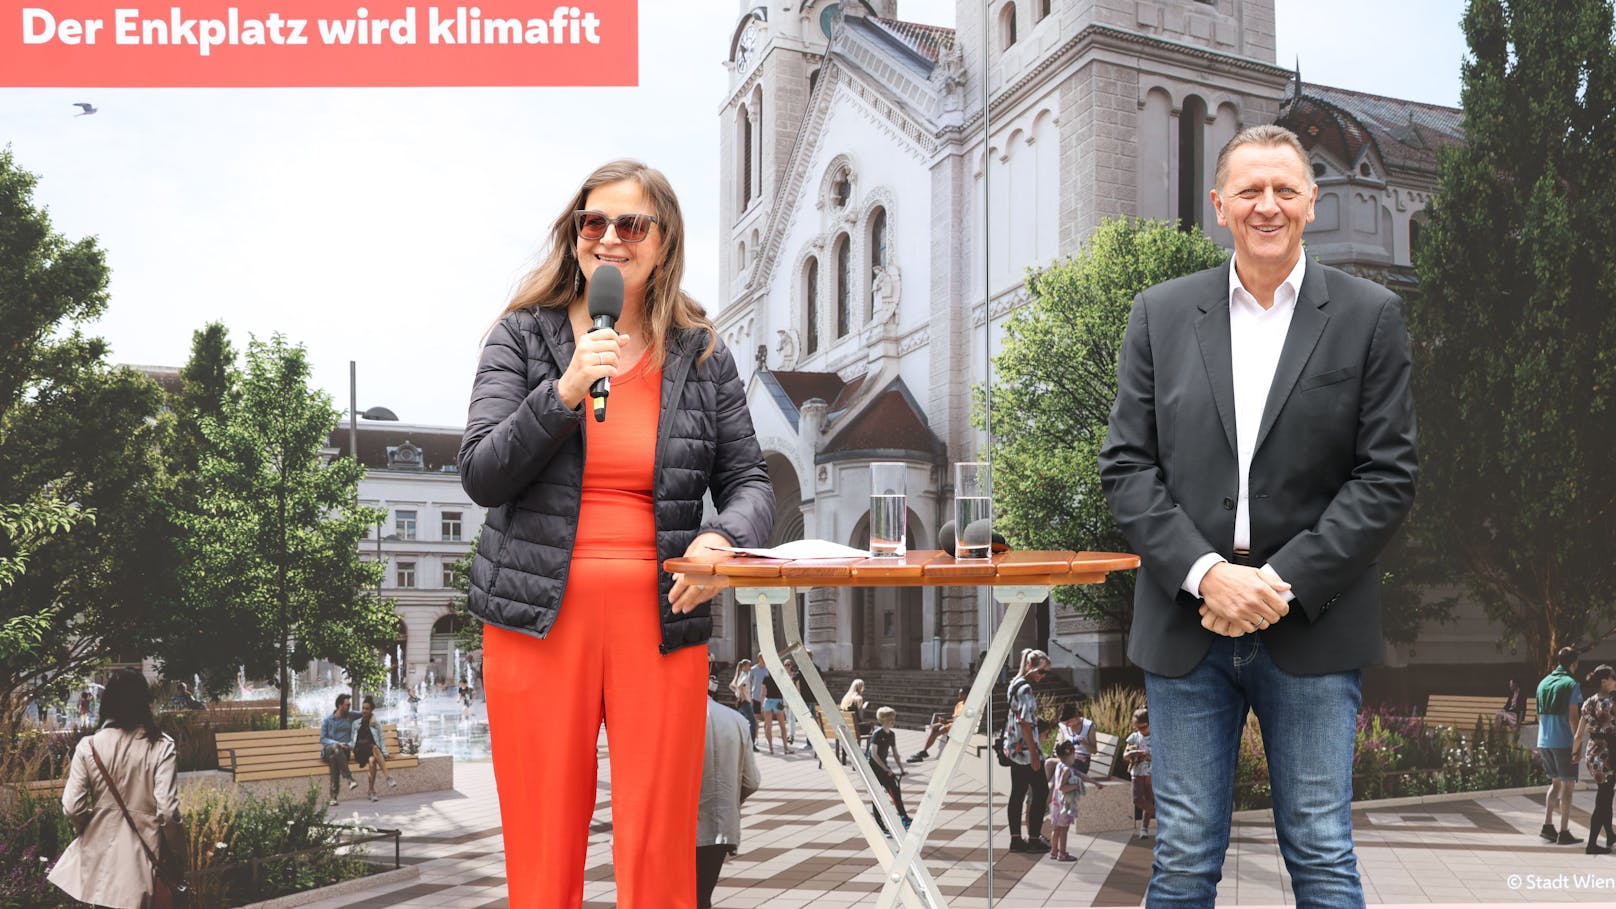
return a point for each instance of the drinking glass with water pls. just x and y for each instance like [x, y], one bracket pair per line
[973, 510]
[888, 509]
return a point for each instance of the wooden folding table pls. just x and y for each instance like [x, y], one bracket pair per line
[1018, 580]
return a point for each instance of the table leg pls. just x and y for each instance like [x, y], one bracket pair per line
[774, 658]
[1018, 601]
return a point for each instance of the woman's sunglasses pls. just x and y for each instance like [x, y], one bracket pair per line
[592, 225]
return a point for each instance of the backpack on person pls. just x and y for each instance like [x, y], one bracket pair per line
[1001, 749]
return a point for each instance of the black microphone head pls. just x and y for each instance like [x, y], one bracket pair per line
[974, 532]
[606, 293]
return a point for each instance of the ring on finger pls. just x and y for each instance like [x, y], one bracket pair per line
[1261, 624]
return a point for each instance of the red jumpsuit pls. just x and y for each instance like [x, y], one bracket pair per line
[547, 698]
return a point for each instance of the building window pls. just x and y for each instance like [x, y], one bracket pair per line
[844, 274]
[451, 526]
[1043, 9]
[404, 574]
[1191, 162]
[878, 249]
[448, 574]
[811, 296]
[746, 158]
[404, 524]
[1007, 26]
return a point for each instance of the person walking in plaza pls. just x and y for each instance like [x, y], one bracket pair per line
[369, 746]
[760, 671]
[336, 746]
[729, 775]
[741, 687]
[121, 798]
[1136, 754]
[938, 728]
[582, 622]
[1559, 713]
[1595, 733]
[1259, 457]
[881, 749]
[1064, 793]
[1029, 788]
[774, 713]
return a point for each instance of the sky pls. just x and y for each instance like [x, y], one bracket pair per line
[389, 226]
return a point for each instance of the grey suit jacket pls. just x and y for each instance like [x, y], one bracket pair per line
[1331, 478]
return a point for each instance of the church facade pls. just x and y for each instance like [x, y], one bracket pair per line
[856, 227]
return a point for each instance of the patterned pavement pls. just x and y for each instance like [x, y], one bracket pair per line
[800, 848]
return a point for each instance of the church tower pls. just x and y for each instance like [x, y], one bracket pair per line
[775, 53]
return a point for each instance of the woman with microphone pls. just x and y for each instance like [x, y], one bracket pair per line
[582, 622]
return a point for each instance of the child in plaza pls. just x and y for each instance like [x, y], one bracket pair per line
[883, 744]
[1137, 755]
[1063, 798]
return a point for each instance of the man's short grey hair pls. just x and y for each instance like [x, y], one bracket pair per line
[1266, 134]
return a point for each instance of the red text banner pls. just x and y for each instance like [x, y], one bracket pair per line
[289, 43]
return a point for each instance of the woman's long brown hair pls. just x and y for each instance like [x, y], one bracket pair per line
[559, 279]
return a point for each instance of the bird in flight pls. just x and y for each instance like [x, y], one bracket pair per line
[85, 108]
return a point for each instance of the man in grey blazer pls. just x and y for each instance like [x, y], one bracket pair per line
[1259, 457]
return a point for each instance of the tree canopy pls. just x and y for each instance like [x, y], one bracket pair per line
[1055, 381]
[88, 567]
[1514, 329]
[273, 546]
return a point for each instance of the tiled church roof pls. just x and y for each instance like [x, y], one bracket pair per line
[1407, 134]
[925, 40]
[891, 421]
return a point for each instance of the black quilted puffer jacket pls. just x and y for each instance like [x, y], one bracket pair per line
[523, 457]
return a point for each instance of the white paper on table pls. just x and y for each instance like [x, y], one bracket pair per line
[803, 549]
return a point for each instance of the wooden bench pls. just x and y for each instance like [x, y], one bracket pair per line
[1104, 758]
[829, 729]
[1461, 711]
[285, 753]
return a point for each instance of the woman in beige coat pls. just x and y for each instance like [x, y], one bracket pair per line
[106, 865]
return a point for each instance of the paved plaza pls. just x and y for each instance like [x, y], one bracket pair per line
[800, 848]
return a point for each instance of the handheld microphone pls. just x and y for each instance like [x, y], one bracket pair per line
[605, 305]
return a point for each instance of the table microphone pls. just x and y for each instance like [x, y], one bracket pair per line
[605, 305]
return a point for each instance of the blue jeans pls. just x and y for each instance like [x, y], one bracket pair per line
[1309, 725]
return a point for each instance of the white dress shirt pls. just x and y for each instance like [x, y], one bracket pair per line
[1256, 338]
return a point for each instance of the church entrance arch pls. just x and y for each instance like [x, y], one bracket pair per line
[888, 622]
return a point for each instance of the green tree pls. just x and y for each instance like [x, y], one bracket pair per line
[469, 628]
[207, 385]
[273, 548]
[1055, 380]
[1515, 331]
[77, 438]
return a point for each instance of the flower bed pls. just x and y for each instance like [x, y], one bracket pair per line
[1396, 755]
[241, 848]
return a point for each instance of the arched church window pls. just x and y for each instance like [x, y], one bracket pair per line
[1007, 26]
[878, 249]
[1191, 161]
[746, 158]
[810, 278]
[844, 274]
